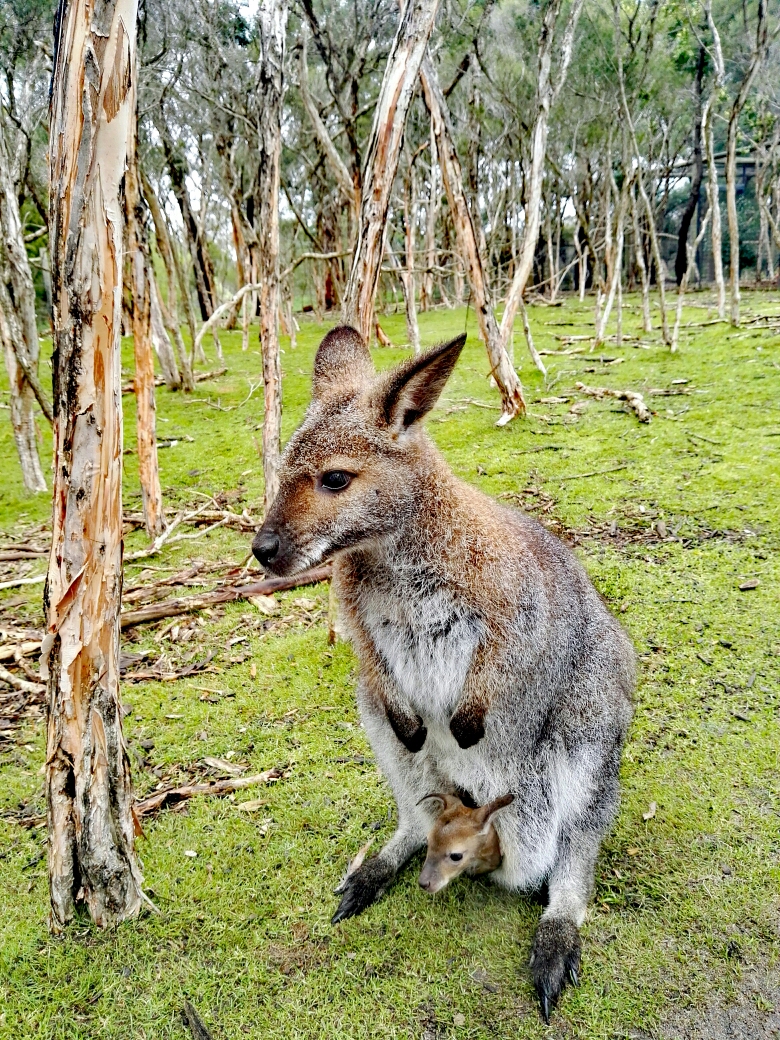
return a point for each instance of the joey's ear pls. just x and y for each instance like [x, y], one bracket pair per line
[447, 801]
[485, 813]
[342, 364]
[412, 389]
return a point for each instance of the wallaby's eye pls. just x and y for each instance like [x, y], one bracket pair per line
[336, 480]
[456, 856]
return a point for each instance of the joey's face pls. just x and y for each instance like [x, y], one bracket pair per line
[344, 482]
[453, 848]
[348, 474]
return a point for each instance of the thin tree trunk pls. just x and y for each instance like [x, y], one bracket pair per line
[89, 795]
[639, 256]
[18, 327]
[272, 18]
[713, 190]
[756, 58]
[681, 261]
[431, 217]
[410, 290]
[546, 92]
[651, 224]
[509, 385]
[169, 310]
[337, 164]
[381, 162]
[146, 409]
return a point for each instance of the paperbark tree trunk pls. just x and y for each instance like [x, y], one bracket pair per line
[681, 261]
[146, 411]
[660, 269]
[193, 233]
[89, 795]
[713, 190]
[756, 59]
[343, 177]
[269, 93]
[639, 256]
[18, 328]
[409, 281]
[546, 92]
[431, 217]
[509, 385]
[381, 162]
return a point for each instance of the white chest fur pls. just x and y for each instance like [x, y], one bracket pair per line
[426, 643]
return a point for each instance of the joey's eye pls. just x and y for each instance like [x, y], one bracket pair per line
[335, 480]
[456, 856]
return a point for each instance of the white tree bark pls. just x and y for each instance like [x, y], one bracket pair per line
[381, 162]
[18, 328]
[146, 407]
[509, 385]
[756, 59]
[713, 191]
[547, 91]
[89, 795]
[272, 17]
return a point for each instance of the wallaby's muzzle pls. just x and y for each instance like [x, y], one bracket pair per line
[266, 546]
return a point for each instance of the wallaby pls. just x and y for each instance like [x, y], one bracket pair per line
[488, 662]
[463, 840]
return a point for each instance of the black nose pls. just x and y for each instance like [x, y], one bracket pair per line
[265, 547]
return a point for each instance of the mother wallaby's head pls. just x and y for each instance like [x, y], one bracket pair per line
[348, 472]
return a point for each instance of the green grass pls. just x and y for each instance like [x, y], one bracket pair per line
[685, 914]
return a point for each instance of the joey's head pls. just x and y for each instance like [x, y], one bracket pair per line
[461, 841]
[348, 473]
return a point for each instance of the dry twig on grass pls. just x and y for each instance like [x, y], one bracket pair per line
[200, 377]
[173, 795]
[187, 604]
[634, 400]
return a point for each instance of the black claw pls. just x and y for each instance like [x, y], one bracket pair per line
[554, 959]
[362, 888]
[545, 1002]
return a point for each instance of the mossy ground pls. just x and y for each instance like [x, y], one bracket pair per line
[685, 913]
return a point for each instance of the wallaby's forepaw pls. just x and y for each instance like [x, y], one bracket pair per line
[409, 729]
[468, 727]
[555, 959]
[362, 888]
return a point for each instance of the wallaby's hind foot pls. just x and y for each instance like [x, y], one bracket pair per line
[362, 888]
[555, 959]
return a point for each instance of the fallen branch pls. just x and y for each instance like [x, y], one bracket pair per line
[188, 604]
[173, 795]
[22, 581]
[594, 472]
[9, 653]
[634, 400]
[13, 555]
[21, 684]
[199, 377]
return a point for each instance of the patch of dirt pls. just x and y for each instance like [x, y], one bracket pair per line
[754, 1016]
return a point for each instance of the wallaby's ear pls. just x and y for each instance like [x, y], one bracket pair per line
[485, 813]
[448, 801]
[413, 388]
[342, 363]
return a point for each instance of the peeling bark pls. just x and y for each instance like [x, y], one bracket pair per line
[512, 399]
[381, 162]
[89, 796]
